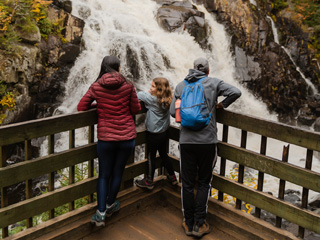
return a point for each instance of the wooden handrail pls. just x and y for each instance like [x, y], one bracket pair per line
[33, 168]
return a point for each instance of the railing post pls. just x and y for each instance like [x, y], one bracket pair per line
[28, 155]
[223, 160]
[51, 175]
[282, 185]
[305, 191]
[244, 135]
[4, 195]
[91, 162]
[263, 150]
[71, 168]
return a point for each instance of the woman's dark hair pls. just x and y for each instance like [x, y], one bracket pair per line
[109, 64]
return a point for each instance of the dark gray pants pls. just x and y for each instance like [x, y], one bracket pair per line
[196, 160]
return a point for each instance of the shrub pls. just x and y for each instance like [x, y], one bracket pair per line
[7, 101]
[25, 15]
[278, 5]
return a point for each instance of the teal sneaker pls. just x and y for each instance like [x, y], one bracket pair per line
[113, 208]
[98, 218]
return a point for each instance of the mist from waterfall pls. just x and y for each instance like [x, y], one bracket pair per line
[129, 30]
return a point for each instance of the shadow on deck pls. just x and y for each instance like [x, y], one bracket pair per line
[156, 215]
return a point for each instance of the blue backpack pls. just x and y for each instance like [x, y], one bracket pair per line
[193, 109]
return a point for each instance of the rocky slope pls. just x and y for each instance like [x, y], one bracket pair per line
[38, 70]
[262, 63]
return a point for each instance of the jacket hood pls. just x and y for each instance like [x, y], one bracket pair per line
[111, 80]
[195, 75]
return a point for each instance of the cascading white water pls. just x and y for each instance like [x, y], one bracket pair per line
[276, 39]
[116, 27]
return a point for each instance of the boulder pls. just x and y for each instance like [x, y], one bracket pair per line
[64, 4]
[317, 125]
[315, 201]
[31, 37]
[179, 16]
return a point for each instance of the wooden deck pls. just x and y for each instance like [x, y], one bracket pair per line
[156, 222]
[155, 215]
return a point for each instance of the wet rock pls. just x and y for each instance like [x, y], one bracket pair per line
[317, 125]
[64, 4]
[179, 16]
[247, 69]
[31, 37]
[292, 196]
[314, 104]
[306, 117]
[315, 202]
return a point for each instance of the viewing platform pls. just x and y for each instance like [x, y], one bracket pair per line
[65, 209]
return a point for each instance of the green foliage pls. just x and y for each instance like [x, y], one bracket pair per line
[25, 16]
[308, 12]
[278, 5]
[7, 101]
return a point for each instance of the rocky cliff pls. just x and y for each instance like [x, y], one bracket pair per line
[37, 71]
[262, 62]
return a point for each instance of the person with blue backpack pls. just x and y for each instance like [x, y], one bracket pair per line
[197, 96]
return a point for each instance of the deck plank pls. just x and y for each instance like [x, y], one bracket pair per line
[155, 222]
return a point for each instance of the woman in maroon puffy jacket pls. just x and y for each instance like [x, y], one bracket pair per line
[116, 102]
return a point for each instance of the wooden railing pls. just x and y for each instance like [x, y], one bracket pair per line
[279, 168]
[54, 161]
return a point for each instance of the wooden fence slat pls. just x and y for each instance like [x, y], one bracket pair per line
[4, 194]
[36, 167]
[263, 150]
[302, 217]
[276, 168]
[31, 207]
[272, 129]
[91, 161]
[244, 135]
[47, 201]
[223, 161]
[28, 155]
[282, 184]
[71, 168]
[305, 191]
[51, 175]
[20, 132]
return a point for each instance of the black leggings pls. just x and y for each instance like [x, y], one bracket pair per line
[157, 142]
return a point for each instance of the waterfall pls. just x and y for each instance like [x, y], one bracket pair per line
[130, 30]
[276, 40]
[274, 30]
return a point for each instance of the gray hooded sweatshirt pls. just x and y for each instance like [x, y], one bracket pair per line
[213, 88]
[158, 118]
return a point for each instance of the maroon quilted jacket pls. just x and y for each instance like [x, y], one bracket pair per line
[116, 103]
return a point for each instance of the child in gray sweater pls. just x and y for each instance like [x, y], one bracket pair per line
[157, 102]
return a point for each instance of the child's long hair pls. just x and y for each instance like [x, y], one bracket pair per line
[163, 92]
